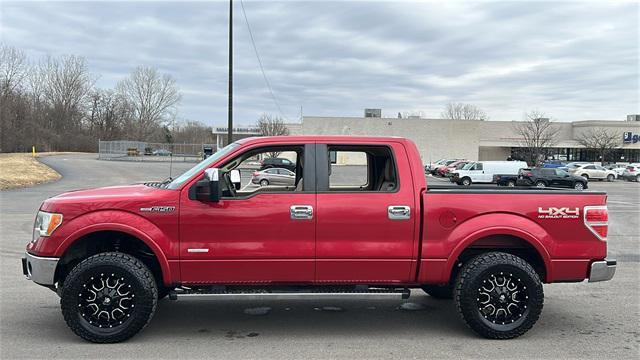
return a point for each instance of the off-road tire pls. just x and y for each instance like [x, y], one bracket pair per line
[472, 277]
[135, 273]
[439, 291]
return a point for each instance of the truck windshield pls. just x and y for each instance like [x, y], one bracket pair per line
[177, 182]
[468, 166]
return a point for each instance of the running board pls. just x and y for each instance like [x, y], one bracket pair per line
[287, 292]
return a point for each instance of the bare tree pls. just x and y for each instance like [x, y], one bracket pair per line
[272, 126]
[192, 132]
[13, 68]
[153, 96]
[601, 140]
[537, 135]
[108, 114]
[460, 111]
[67, 83]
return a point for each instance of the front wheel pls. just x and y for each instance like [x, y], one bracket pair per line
[264, 182]
[585, 176]
[541, 184]
[499, 295]
[109, 297]
[578, 186]
[511, 183]
[610, 178]
[466, 181]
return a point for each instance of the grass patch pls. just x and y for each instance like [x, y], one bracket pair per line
[22, 170]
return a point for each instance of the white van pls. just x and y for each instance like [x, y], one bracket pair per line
[483, 171]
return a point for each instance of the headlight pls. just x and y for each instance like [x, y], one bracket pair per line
[46, 223]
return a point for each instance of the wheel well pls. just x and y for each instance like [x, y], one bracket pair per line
[503, 243]
[105, 241]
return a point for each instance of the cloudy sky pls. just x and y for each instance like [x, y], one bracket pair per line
[572, 60]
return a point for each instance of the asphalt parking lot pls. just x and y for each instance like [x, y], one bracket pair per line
[599, 320]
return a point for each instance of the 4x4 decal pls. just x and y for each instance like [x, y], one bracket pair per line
[558, 213]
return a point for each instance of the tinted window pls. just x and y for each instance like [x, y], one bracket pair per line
[478, 166]
[362, 168]
[590, 167]
[548, 172]
[561, 172]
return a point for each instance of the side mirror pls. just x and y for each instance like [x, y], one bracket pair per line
[212, 175]
[235, 178]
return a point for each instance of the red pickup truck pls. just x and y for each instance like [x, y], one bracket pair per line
[359, 219]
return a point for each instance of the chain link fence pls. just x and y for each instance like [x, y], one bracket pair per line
[145, 151]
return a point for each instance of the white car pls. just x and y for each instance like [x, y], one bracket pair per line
[484, 171]
[617, 168]
[592, 171]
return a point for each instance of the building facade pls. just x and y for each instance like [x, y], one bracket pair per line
[478, 140]
[467, 139]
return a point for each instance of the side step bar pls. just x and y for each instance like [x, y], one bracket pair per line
[287, 292]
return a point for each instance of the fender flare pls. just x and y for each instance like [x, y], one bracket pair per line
[123, 227]
[527, 236]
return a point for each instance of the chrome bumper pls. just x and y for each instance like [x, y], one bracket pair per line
[602, 270]
[39, 269]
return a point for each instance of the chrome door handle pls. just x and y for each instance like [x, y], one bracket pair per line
[399, 212]
[301, 212]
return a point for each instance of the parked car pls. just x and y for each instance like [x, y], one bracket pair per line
[111, 253]
[554, 177]
[444, 170]
[484, 171]
[572, 165]
[592, 171]
[429, 166]
[277, 162]
[436, 169]
[460, 165]
[632, 173]
[161, 152]
[274, 176]
[617, 168]
[555, 164]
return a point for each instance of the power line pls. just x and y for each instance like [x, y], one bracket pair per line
[264, 75]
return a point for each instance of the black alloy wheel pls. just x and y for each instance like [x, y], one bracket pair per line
[109, 297]
[499, 295]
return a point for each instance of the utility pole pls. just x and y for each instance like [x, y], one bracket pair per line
[230, 111]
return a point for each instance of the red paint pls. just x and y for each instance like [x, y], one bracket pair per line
[349, 240]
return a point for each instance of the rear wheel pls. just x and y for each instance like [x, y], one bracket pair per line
[578, 186]
[610, 178]
[637, 178]
[109, 297]
[499, 295]
[541, 184]
[439, 291]
[511, 183]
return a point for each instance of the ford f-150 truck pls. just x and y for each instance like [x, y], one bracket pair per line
[372, 227]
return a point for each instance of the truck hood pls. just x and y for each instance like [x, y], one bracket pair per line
[127, 198]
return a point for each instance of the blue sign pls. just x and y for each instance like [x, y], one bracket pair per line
[629, 137]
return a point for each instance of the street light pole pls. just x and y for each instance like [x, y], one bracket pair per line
[230, 110]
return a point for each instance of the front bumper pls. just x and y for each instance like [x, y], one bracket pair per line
[39, 269]
[602, 270]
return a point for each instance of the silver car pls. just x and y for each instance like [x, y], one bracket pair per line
[591, 171]
[274, 176]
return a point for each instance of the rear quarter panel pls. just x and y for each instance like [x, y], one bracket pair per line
[453, 221]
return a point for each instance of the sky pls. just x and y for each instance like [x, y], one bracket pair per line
[570, 60]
